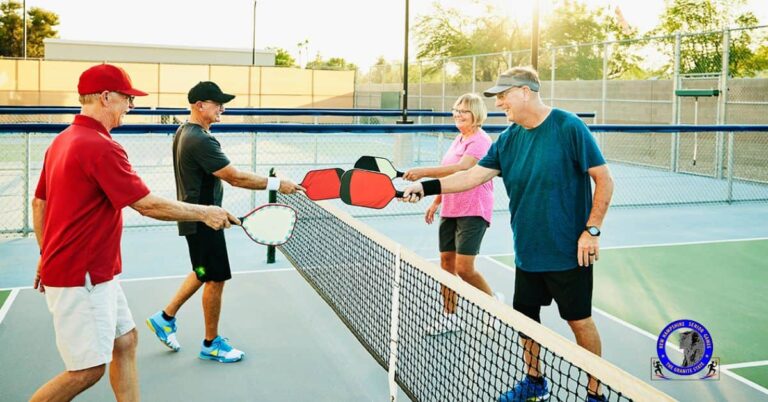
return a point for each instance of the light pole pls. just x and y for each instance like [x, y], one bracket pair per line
[24, 22]
[404, 118]
[253, 48]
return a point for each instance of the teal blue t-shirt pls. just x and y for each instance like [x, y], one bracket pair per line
[550, 192]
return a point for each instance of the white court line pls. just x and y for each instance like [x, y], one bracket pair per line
[260, 271]
[724, 369]
[7, 304]
[658, 245]
[743, 365]
[744, 381]
[499, 263]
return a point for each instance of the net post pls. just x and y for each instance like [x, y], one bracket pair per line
[27, 167]
[272, 199]
[394, 318]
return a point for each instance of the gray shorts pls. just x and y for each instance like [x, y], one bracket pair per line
[462, 235]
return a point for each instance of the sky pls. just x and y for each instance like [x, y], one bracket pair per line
[358, 30]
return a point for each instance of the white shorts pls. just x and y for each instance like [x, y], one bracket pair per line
[87, 320]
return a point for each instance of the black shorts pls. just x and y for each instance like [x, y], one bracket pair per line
[462, 235]
[571, 290]
[208, 254]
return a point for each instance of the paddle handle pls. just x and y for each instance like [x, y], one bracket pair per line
[399, 194]
[399, 174]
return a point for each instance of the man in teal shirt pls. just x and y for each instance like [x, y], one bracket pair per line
[547, 160]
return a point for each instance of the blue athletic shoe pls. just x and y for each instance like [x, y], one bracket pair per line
[221, 351]
[598, 398]
[526, 391]
[164, 330]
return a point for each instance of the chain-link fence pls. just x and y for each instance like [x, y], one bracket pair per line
[648, 168]
[625, 82]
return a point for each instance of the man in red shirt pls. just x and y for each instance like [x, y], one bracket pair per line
[85, 183]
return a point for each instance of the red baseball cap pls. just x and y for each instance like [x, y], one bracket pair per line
[106, 77]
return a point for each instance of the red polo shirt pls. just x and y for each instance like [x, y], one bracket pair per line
[86, 181]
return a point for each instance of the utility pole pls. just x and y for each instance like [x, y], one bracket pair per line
[535, 36]
[253, 52]
[405, 72]
[24, 23]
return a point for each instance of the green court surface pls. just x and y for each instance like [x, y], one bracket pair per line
[3, 295]
[721, 285]
[758, 375]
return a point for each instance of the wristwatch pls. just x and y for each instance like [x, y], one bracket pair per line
[593, 230]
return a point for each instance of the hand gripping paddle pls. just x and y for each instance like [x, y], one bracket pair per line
[364, 188]
[378, 164]
[322, 184]
[269, 224]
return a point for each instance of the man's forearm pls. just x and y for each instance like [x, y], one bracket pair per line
[466, 179]
[38, 214]
[168, 210]
[249, 180]
[601, 201]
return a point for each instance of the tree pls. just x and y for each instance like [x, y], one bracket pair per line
[334, 63]
[702, 53]
[575, 31]
[283, 58]
[448, 33]
[40, 24]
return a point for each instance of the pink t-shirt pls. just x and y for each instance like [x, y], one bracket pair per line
[479, 200]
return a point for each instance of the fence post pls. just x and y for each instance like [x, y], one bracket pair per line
[474, 72]
[552, 79]
[254, 142]
[722, 103]
[421, 83]
[675, 146]
[731, 162]
[605, 83]
[27, 162]
[442, 93]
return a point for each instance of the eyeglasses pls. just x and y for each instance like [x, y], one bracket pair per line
[460, 111]
[502, 95]
[129, 98]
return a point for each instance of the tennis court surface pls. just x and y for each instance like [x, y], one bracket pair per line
[298, 348]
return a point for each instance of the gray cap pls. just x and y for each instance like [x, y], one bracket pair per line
[510, 81]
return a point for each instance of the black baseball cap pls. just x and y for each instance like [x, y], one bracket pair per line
[208, 91]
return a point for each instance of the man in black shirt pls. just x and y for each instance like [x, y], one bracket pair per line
[200, 165]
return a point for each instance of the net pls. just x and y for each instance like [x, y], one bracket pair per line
[389, 297]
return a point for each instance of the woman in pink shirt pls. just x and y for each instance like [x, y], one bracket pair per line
[465, 216]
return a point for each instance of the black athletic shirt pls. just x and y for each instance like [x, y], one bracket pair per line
[196, 155]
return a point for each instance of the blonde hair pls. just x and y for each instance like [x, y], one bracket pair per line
[475, 105]
[88, 98]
